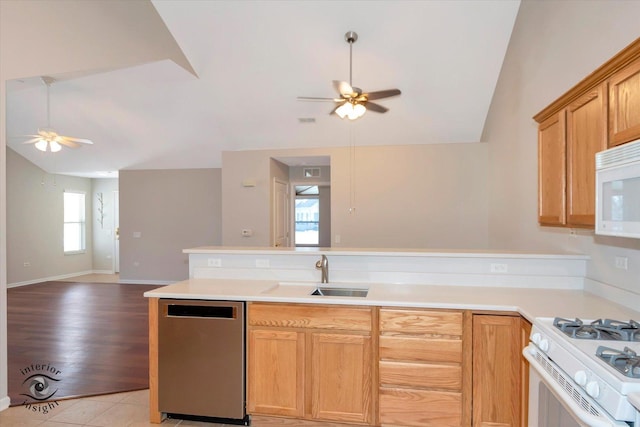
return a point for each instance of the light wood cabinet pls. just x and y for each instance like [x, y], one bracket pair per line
[567, 144]
[525, 332]
[424, 368]
[601, 111]
[276, 370]
[498, 371]
[341, 377]
[586, 135]
[552, 167]
[311, 361]
[624, 105]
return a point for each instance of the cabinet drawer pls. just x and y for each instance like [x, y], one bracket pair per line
[445, 377]
[420, 349]
[421, 322]
[420, 408]
[310, 316]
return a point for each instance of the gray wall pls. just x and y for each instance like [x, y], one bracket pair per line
[555, 44]
[35, 223]
[172, 210]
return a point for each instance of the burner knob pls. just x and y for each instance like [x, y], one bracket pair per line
[593, 389]
[580, 378]
[536, 338]
[544, 345]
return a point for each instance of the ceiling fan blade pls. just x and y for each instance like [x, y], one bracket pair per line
[383, 94]
[67, 142]
[343, 88]
[80, 140]
[31, 141]
[376, 107]
[313, 98]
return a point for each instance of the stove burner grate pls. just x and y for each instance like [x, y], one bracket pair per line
[601, 329]
[626, 361]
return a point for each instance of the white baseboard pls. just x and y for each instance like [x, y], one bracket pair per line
[4, 403]
[48, 279]
[147, 282]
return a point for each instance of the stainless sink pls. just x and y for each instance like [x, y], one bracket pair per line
[340, 292]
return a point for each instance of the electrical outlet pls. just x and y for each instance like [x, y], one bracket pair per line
[499, 268]
[214, 262]
[246, 232]
[27, 264]
[621, 262]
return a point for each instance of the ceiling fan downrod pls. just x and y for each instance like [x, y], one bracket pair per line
[351, 37]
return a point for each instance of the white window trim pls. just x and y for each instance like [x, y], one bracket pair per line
[83, 222]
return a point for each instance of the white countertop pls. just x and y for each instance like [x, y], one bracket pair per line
[531, 303]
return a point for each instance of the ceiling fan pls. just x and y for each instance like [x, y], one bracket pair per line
[353, 103]
[48, 139]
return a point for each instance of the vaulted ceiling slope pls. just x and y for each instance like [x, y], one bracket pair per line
[252, 59]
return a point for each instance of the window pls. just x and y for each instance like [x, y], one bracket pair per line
[307, 216]
[74, 222]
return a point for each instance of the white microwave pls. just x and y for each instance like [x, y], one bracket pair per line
[618, 191]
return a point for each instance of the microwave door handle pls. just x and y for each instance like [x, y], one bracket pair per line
[590, 420]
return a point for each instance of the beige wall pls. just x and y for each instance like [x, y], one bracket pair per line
[172, 210]
[554, 45]
[35, 222]
[414, 196]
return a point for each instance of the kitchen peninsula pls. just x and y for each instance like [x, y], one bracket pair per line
[462, 303]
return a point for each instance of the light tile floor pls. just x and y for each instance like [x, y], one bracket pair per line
[129, 409]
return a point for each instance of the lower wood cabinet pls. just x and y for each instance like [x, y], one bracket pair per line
[500, 376]
[311, 361]
[425, 366]
[387, 366]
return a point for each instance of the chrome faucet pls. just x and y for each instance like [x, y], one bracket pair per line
[323, 265]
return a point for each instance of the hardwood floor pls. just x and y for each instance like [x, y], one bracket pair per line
[76, 339]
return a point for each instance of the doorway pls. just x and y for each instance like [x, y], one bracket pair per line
[312, 215]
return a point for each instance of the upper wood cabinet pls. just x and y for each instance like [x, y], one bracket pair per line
[586, 135]
[601, 111]
[552, 166]
[624, 105]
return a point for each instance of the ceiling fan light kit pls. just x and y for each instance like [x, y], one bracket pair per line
[353, 103]
[48, 139]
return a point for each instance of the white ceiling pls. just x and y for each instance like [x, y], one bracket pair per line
[253, 58]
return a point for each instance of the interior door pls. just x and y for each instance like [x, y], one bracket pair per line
[116, 232]
[280, 213]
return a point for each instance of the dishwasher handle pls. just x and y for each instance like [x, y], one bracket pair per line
[202, 311]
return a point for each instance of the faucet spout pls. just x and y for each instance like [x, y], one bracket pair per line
[323, 265]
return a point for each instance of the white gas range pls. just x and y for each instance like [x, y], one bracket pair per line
[584, 373]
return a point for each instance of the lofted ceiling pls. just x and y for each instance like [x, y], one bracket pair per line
[252, 59]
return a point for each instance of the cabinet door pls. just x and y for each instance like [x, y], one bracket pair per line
[552, 170]
[276, 372]
[525, 331]
[341, 379]
[586, 135]
[496, 371]
[624, 105]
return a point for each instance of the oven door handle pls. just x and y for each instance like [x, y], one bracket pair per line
[589, 419]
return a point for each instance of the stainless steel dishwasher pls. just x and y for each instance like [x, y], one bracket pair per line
[201, 360]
